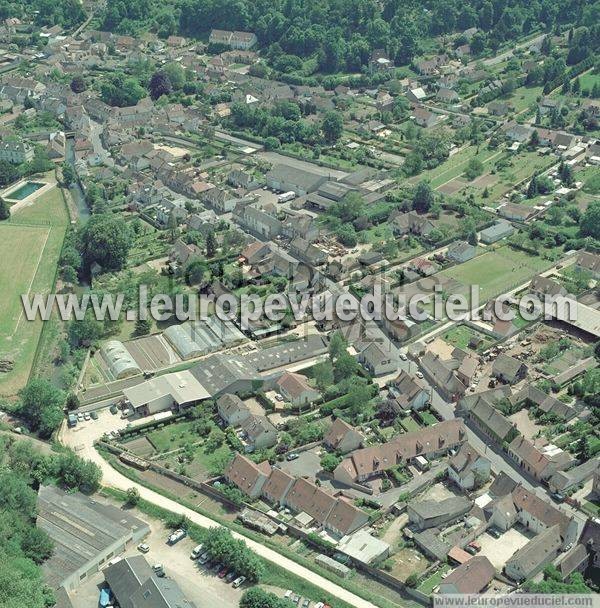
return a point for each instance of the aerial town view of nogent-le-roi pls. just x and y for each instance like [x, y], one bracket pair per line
[299, 303]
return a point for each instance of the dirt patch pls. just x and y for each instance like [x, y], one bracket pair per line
[485, 181]
[140, 446]
[451, 187]
[408, 561]
[526, 426]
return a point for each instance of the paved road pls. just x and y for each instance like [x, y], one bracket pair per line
[82, 441]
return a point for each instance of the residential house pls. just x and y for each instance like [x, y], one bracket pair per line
[371, 461]
[248, 476]
[588, 263]
[235, 40]
[442, 374]
[435, 513]
[184, 253]
[377, 359]
[307, 252]
[342, 437]
[517, 132]
[296, 390]
[447, 95]
[480, 409]
[563, 481]
[508, 369]
[516, 212]
[468, 468]
[15, 151]
[527, 561]
[498, 108]
[257, 221]
[232, 409]
[416, 95]
[472, 577]
[407, 392]
[277, 486]
[422, 266]
[496, 232]
[460, 252]
[259, 433]
[538, 458]
[542, 287]
[412, 223]
[425, 118]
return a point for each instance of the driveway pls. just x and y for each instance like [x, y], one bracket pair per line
[201, 587]
[308, 464]
[82, 442]
[500, 550]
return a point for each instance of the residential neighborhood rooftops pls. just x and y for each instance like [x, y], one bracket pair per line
[471, 577]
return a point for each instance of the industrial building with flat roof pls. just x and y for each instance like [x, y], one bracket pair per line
[86, 534]
[170, 391]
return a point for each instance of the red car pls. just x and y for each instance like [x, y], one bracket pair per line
[223, 572]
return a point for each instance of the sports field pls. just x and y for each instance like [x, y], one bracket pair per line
[30, 246]
[498, 271]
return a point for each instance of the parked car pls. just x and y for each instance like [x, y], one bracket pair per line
[217, 567]
[87, 416]
[404, 358]
[143, 548]
[158, 570]
[113, 409]
[196, 551]
[288, 594]
[419, 375]
[292, 456]
[494, 532]
[204, 558]
[94, 415]
[231, 576]
[319, 605]
[176, 536]
[80, 416]
[239, 581]
[296, 598]
[223, 572]
[306, 603]
[557, 496]
[470, 550]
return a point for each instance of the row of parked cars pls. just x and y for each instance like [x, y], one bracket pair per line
[295, 599]
[223, 572]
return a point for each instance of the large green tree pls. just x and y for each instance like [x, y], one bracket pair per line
[41, 405]
[106, 240]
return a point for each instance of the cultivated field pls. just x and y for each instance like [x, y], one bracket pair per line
[497, 271]
[30, 246]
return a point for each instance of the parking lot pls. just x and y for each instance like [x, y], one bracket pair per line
[307, 464]
[500, 550]
[199, 585]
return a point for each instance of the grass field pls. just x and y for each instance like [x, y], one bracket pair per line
[30, 246]
[461, 335]
[496, 272]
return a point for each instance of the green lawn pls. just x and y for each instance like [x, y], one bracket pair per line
[430, 583]
[589, 80]
[498, 271]
[30, 246]
[409, 424]
[428, 418]
[461, 335]
[173, 436]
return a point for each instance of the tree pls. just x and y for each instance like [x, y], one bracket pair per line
[120, 90]
[583, 448]
[323, 374]
[159, 85]
[105, 239]
[412, 580]
[337, 346]
[211, 244]
[332, 126]
[8, 173]
[423, 197]
[345, 366]
[41, 406]
[174, 72]
[590, 220]
[4, 210]
[68, 173]
[329, 462]
[259, 598]
[78, 84]
[532, 190]
[534, 140]
[142, 327]
[133, 497]
[474, 168]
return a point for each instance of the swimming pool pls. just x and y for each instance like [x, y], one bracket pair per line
[25, 190]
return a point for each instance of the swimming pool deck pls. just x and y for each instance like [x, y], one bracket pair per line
[49, 183]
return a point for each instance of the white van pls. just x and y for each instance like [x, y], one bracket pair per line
[196, 552]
